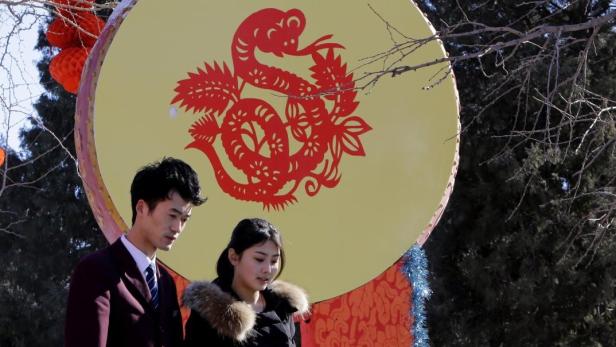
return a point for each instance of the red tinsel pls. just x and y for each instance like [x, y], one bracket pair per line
[75, 31]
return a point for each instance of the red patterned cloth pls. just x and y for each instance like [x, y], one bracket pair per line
[375, 314]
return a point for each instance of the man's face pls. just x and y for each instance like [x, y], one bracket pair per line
[163, 224]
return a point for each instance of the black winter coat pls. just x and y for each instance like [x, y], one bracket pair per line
[218, 318]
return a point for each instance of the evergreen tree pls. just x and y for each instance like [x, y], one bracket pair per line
[55, 226]
[525, 254]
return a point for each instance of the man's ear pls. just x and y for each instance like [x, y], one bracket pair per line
[142, 207]
[234, 258]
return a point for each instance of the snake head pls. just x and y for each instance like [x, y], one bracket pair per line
[282, 36]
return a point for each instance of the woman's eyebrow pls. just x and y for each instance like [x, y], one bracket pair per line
[264, 253]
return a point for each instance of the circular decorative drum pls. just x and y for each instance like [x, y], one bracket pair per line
[280, 108]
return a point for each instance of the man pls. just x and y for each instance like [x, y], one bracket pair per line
[119, 296]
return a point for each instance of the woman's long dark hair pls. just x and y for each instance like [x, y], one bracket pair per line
[247, 233]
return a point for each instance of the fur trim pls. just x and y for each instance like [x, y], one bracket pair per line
[294, 295]
[230, 317]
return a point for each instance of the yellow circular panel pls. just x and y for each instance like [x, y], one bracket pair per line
[344, 235]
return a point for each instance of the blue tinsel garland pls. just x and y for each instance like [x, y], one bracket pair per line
[416, 270]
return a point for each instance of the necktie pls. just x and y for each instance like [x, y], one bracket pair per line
[149, 277]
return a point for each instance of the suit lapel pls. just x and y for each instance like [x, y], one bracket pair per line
[130, 273]
[163, 288]
[167, 293]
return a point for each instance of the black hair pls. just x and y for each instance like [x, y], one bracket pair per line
[247, 233]
[155, 182]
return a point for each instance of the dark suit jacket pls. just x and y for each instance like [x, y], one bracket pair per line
[109, 304]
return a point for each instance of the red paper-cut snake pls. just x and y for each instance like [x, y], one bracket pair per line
[273, 173]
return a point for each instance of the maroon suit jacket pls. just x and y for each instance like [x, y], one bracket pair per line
[109, 304]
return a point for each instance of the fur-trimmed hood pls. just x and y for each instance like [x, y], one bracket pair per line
[232, 317]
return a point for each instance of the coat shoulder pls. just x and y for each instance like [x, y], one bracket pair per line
[229, 317]
[100, 261]
[293, 295]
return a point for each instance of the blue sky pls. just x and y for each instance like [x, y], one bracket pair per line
[19, 87]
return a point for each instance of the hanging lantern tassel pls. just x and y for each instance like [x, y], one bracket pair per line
[66, 67]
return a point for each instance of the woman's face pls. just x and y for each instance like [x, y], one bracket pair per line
[257, 266]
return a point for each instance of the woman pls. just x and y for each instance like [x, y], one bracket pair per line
[246, 306]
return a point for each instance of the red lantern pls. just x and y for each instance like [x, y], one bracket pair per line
[66, 67]
[61, 34]
[68, 8]
[90, 27]
[75, 30]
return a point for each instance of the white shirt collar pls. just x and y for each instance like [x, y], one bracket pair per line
[142, 260]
